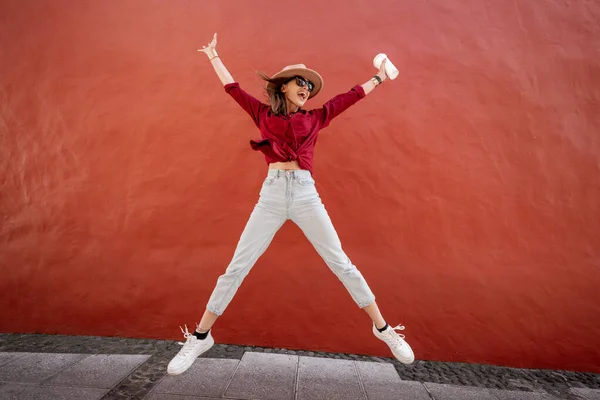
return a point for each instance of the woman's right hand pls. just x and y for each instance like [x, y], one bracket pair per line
[211, 47]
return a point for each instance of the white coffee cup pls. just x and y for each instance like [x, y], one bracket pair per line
[390, 69]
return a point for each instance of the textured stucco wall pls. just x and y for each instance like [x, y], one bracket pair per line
[467, 191]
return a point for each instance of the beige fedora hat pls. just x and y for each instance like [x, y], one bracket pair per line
[300, 70]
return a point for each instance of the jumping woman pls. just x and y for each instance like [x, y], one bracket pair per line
[288, 137]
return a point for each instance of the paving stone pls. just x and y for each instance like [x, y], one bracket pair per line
[326, 378]
[163, 396]
[453, 392]
[381, 382]
[99, 371]
[36, 392]
[37, 367]
[588, 394]
[10, 390]
[5, 358]
[523, 385]
[206, 377]
[264, 376]
[521, 395]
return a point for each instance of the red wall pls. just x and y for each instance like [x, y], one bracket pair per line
[466, 191]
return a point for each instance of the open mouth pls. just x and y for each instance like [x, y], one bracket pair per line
[303, 95]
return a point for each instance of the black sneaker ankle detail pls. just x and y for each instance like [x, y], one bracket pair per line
[201, 336]
[382, 329]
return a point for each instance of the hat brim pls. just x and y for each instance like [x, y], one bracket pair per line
[309, 74]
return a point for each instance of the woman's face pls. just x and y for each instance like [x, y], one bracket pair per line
[297, 91]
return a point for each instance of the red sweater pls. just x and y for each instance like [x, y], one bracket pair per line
[291, 137]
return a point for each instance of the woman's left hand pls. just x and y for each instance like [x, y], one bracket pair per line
[381, 73]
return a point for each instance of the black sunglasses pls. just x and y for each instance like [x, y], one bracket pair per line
[300, 81]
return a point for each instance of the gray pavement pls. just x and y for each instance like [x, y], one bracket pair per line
[250, 374]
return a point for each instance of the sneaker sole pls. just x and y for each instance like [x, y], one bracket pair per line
[405, 361]
[185, 367]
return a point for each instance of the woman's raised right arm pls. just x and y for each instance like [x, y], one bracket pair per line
[216, 62]
[252, 106]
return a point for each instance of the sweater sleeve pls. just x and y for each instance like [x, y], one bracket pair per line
[338, 104]
[249, 103]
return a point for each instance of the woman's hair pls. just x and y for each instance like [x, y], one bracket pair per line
[276, 96]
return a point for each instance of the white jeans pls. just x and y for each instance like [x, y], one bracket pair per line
[288, 195]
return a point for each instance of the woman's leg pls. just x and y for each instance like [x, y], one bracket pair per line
[207, 321]
[310, 215]
[265, 220]
[318, 228]
[373, 311]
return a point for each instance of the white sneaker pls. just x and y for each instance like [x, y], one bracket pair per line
[396, 342]
[191, 349]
